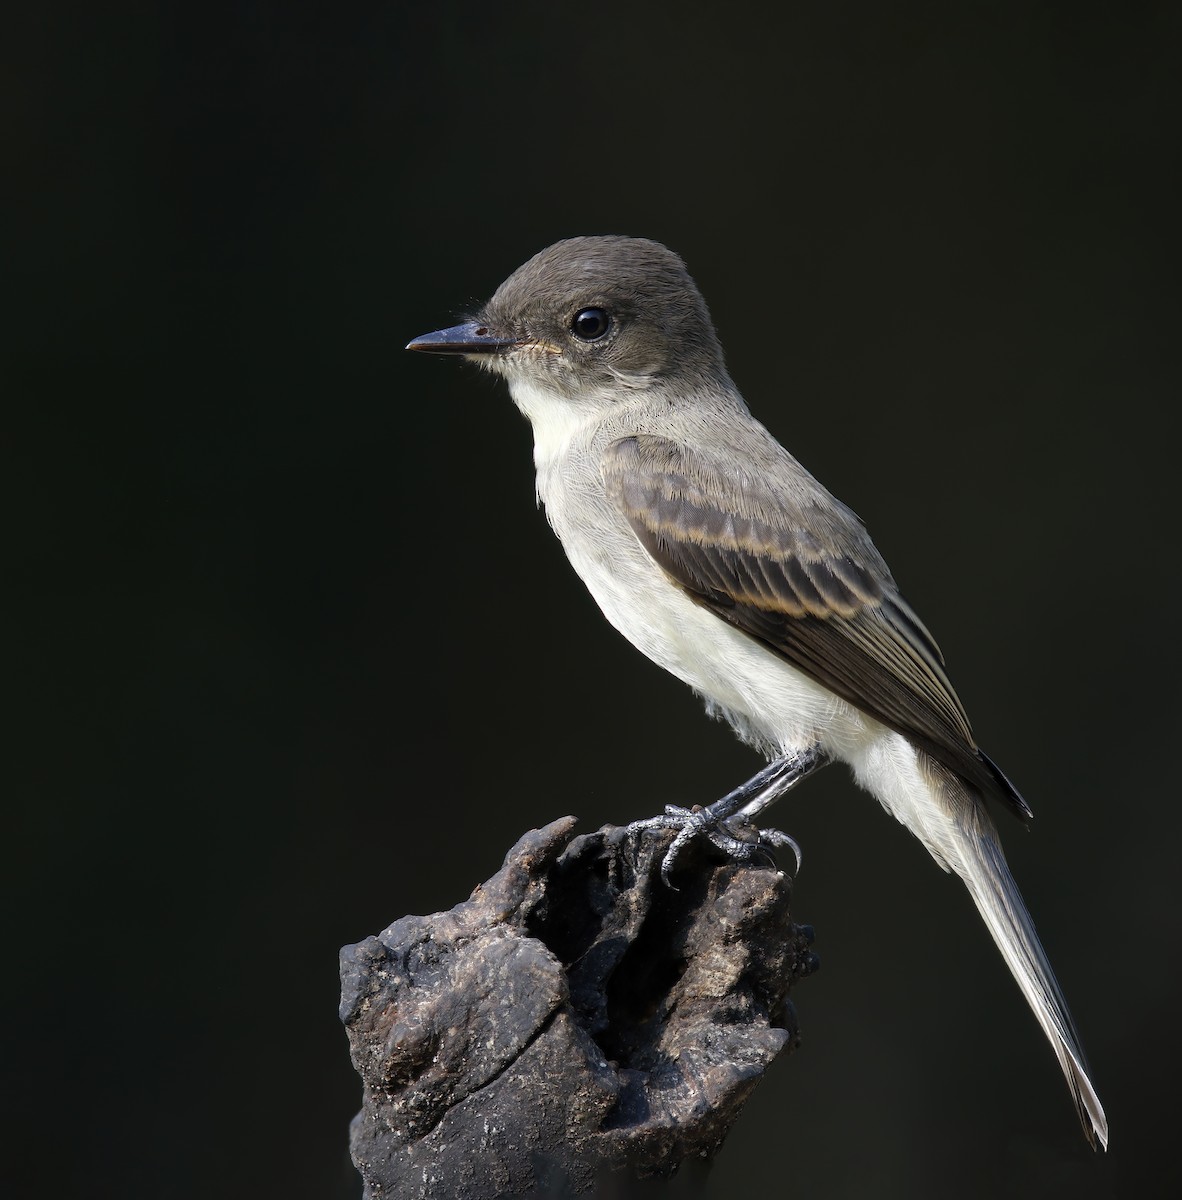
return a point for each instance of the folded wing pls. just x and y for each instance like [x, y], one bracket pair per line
[805, 580]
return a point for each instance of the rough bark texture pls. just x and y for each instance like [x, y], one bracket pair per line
[574, 1017]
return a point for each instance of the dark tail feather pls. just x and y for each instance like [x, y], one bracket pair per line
[973, 851]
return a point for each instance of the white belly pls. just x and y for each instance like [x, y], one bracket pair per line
[770, 704]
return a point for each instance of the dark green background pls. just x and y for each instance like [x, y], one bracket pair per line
[291, 653]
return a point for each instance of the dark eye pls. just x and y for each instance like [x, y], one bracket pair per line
[590, 324]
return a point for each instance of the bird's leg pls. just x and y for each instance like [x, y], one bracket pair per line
[739, 807]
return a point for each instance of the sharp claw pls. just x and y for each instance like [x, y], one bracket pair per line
[776, 838]
[666, 874]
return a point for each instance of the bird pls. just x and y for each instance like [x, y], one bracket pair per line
[724, 561]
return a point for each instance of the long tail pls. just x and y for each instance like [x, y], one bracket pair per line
[970, 847]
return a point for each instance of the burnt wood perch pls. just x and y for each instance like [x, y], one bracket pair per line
[575, 1017]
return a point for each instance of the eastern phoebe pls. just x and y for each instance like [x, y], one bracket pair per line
[721, 558]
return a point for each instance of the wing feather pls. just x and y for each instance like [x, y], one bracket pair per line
[806, 583]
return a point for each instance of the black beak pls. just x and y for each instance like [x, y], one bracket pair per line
[472, 338]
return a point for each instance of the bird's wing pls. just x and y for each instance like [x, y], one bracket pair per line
[805, 580]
